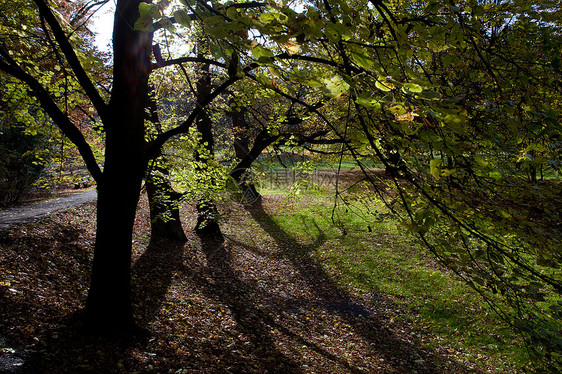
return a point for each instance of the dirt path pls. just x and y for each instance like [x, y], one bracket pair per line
[29, 213]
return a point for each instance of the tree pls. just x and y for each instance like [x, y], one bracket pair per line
[127, 154]
[264, 120]
[108, 304]
[447, 86]
[60, 158]
[454, 99]
[22, 162]
[165, 222]
[451, 94]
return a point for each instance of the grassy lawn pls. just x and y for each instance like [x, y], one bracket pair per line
[381, 259]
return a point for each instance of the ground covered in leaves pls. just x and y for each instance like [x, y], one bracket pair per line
[258, 301]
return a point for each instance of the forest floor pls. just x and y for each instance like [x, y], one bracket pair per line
[256, 302]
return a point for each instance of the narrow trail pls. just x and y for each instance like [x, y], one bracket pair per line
[29, 213]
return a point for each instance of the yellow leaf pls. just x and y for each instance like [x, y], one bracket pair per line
[384, 86]
[409, 117]
[435, 168]
[291, 47]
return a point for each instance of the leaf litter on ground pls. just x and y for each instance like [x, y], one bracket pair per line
[256, 302]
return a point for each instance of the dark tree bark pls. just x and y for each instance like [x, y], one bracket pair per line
[207, 213]
[165, 222]
[108, 306]
[250, 194]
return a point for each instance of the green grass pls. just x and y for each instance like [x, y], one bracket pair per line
[383, 259]
[295, 161]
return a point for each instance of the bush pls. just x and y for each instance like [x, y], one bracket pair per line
[22, 161]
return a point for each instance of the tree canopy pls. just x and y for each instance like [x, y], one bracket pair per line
[458, 100]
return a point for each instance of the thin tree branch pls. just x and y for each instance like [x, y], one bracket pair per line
[68, 128]
[192, 16]
[181, 60]
[154, 147]
[72, 59]
[81, 12]
[262, 141]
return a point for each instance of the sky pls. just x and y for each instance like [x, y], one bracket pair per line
[103, 26]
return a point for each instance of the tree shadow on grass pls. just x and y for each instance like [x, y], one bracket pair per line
[262, 325]
[258, 339]
[399, 355]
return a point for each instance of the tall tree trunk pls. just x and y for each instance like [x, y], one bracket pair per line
[250, 194]
[165, 220]
[108, 307]
[207, 213]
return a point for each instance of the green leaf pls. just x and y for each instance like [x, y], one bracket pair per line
[332, 33]
[435, 168]
[182, 18]
[369, 103]
[274, 71]
[362, 60]
[384, 86]
[214, 21]
[495, 175]
[268, 17]
[445, 172]
[432, 7]
[167, 24]
[232, 13]
[397, 109]
[260, 52]
[335, 86]
[313, 82]
[263, 80]
[429, 95]
[437, 47]
[412, 88]
[147, 12]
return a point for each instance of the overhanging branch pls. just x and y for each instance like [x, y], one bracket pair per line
[181, 60]
[192, 16]
[72, 59]
[68, 128]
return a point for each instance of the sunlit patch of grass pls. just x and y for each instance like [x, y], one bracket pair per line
[376, 256]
